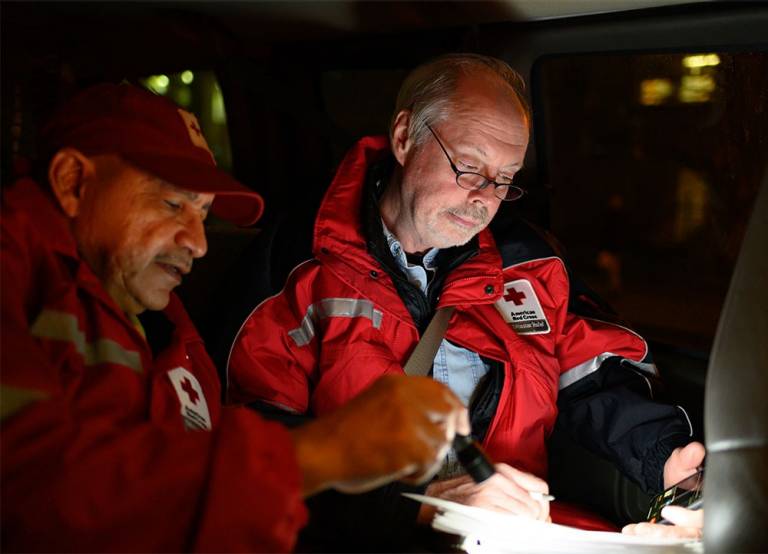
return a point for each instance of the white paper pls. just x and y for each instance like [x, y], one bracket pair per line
[488, 531]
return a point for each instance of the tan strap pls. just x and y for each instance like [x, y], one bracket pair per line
[423, 356]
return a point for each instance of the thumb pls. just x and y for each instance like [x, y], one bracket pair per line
[692, 455]
[683, 517]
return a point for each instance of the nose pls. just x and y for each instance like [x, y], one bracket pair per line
[484, 196]
[192, 237]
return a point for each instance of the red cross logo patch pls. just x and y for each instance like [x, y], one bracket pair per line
[515, 296]
[521, 309]
[186, 386]
[193, 407]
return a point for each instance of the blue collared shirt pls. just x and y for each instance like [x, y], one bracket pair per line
[456, 367]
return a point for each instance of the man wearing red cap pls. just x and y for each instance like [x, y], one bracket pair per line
[113, 434]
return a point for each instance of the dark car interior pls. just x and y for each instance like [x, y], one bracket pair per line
[646, 163]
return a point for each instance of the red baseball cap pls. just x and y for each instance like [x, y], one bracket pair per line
[155, 135]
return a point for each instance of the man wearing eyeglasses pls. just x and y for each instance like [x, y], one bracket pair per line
[402, 232]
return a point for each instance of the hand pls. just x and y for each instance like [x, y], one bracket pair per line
[688, 524]
[505, 491]
[683, 462]
[399, 428]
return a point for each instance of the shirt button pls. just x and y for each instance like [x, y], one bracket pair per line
[489, 289]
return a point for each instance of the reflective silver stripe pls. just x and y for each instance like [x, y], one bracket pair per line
[333, 307]
[688, 419]
[63, 326]
[650, 369]
[580, 371]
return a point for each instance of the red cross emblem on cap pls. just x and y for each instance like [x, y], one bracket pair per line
[194, 131]
[196, 128]
[513, 295]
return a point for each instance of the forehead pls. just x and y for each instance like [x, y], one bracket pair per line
[485, 109]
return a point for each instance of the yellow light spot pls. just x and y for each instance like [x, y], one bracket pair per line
[696, 88]
[655, 91]
[187, 77]
[701, 60]
[158, 83]
[218, 113]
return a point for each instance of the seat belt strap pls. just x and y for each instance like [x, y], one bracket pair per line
[423, 356]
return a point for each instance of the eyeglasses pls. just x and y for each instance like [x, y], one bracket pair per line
[470, 180]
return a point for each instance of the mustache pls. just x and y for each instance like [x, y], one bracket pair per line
[182, 262]
[475, 213]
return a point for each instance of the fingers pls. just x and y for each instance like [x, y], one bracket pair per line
[683, 462]
[524, 483]
[528, 482]
[683, 517]
[440, 416]
[444, 406]
[657, 530]
[692, 455]
[688, 524]
[399, 428]
[499, 492]
[525, 480]
[462, 421]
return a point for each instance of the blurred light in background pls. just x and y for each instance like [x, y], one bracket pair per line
[187, 77]
[696, 88]
[218, 113]
[701, 60]
[655, 91]
[158, 83]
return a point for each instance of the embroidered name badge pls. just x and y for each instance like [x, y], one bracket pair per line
[194, 408]
[521, 309]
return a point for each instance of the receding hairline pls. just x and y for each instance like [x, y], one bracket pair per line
[504, 90]
[428, 92]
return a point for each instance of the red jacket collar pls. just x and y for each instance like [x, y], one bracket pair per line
[28, 197]
[338, 230]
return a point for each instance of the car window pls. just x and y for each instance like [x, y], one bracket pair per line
[654, 161]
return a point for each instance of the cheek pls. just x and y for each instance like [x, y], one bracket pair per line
[137, 249]
[493, 207]
[128, 258]
[427, 204]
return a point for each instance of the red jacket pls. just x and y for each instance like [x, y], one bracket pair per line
[106, 447]
[340, 323]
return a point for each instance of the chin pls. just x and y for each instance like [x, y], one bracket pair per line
[155, 302]
[449, 242]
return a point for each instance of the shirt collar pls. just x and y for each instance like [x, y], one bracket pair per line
[428, 261]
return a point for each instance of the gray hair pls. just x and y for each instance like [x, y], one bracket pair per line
[429, 89]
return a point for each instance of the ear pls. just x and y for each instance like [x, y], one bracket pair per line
[68, 173]
[401, 141]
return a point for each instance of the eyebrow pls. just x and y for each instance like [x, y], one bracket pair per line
[513, 166]
[192, 196]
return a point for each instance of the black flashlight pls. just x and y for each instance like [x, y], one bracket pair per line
[472, 458]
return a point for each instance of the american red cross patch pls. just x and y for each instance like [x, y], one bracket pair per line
[520, 307]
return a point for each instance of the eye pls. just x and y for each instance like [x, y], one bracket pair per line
[173, 204]
[504, 179]
[468, 165]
